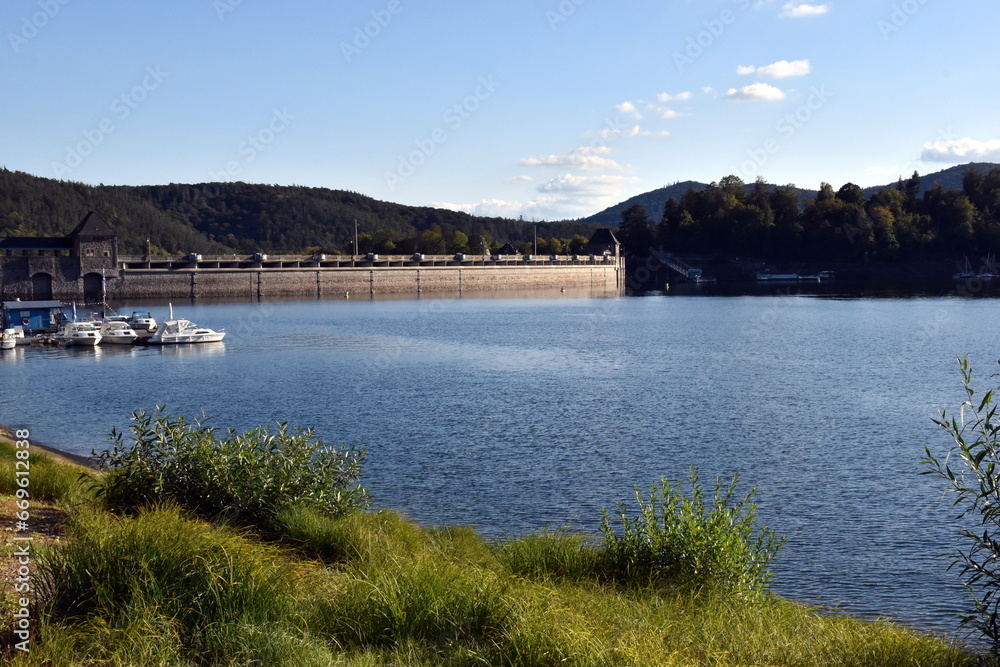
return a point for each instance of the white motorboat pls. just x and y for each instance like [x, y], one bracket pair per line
[19, 337]
[184, 331]
[117, 331]
[9, 340]
[142, 322]
[82, 334]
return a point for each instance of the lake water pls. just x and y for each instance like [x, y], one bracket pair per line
[513, 413]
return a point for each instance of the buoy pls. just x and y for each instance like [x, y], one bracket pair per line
[347, 295]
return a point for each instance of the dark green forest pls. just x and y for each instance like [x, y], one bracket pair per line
[903, 222]
[896, 223]
[244, 218]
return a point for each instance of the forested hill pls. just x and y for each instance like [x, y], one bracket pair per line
[908, 221]
[654, 200]
[244, 218]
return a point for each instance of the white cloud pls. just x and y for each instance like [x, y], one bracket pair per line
[563, 197]
[577, 196]
[797, 10]
[666, 113]
[960, 150]
[650, 133]
[778, 70]
[521, 179]
[783, 69]
[487, 207]
[634, 131]
[588, 186]
[756, 92]
[629, 108]
[667, 97]
[586, 158]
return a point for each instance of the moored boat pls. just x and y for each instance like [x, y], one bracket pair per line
[79, 334]
[777, 276]
[9, 340]
[184, 331]
[795, 277]
[142, 322]
[116, 331]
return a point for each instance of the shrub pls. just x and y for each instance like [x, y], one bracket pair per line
[247, 476]
[685, 541]
[975, 434]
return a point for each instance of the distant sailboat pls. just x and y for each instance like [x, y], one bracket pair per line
[968, 274]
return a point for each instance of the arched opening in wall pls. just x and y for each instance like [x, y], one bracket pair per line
[41, 287]
[93, 288]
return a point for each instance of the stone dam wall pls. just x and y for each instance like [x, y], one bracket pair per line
[264, 283]
[192, 278]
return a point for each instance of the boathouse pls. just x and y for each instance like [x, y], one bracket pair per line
[70, 267]
[32, 316]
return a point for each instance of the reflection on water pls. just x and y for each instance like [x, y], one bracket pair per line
[519, 413]
[23, 353]
[191, 349]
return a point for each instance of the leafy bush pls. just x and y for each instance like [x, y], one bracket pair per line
[247, 477]
[976, 437]
[686, 541]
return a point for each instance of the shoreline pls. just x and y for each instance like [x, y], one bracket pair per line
[7, 434]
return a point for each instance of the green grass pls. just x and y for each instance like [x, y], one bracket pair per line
[557, 555]
[49, 480]
[163, 587]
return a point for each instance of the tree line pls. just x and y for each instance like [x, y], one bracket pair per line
[771, 223]
[216, 218]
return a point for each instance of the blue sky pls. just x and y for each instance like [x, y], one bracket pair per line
[543, 108]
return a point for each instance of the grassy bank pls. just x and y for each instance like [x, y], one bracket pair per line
[160, 586]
